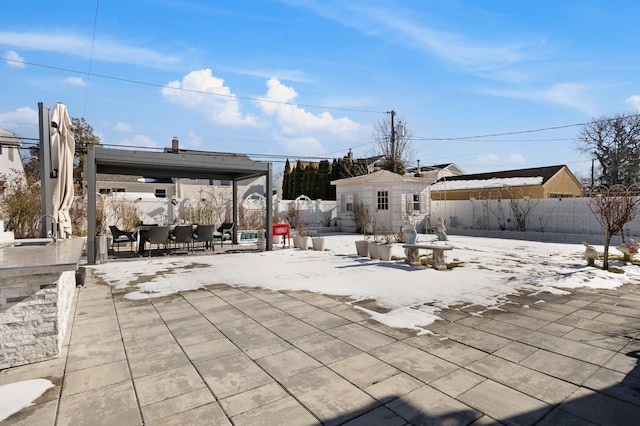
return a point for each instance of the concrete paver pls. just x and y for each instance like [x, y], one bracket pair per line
[241, 356]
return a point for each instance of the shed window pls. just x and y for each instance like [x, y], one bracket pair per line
[416, 202]
[383, 200]
[161, 193]
[348, 203]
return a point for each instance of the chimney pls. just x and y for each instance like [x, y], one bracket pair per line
[350, 154]
[175, 146]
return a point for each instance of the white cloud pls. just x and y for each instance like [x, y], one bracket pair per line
[288, 75]
[23, 122]
[202, 92]
[502, 161]
[75, 81]
[305, 145]
[139, 140]
[14, 60]
[634, 102]
[123, 127]
[298, 127]
[572, 95]
[392, 22]
[194, 140]
[77, 45]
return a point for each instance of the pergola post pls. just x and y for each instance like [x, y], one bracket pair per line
[269, 191]
[91, 204]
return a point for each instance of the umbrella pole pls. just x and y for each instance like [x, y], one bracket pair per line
[45, 170]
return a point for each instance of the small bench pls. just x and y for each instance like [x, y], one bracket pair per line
[413, 255]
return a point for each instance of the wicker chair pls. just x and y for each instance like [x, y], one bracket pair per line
[120, 236]
[204, 234]
[182, 234]
[158, 235]
[224, 232]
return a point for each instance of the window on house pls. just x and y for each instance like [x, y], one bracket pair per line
[225, 183]
[161, 193]
[416, 202]
[348, 205]
[383, 200]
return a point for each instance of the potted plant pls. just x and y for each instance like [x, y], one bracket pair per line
[372, 246]
[362, 248]
[306, 242]
[385, 245]
[363, 219]
[318, 243]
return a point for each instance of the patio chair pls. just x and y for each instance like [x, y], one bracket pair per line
[182, 234]
[120, 236]
[158, 235]
[224, 232]
[204, 234]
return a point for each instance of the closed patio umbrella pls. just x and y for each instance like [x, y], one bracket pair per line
[62, 152]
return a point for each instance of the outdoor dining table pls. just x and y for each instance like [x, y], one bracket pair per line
[144, 229]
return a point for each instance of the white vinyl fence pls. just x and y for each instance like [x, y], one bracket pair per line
[166, 211]
[548, 215]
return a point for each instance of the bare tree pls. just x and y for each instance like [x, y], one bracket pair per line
[494, 204]
[521, 207]
[614, 207]
[394, 143]
[614, 142]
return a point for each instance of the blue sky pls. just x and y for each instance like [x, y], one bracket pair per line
[312, 78]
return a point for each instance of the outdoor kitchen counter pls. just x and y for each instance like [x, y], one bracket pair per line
[39, 256]
[37, 287]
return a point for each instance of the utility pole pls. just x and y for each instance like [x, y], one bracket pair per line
[393, 140]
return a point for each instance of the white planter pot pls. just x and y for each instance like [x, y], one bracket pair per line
[318, 243]
[277, 239]
[384, 251]
[362, 248]
[296, 241]
[307, 243]
[373, 251]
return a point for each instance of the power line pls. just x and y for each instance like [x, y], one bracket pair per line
[162, 86]
[93, 41]
[544, 129]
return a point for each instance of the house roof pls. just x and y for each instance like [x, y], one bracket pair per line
[9, 139]
[380, 175]
[520, 177]
[545, 173]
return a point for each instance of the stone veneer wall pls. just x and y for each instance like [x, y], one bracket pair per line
[34, 313]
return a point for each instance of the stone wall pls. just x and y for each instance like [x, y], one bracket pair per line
[34, 312]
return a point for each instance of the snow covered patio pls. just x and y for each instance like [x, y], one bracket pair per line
[521, 333]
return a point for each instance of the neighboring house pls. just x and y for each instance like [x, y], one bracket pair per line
[390, 198]
[161, 188]
[537, 182]
[436, 171]
[10, 160]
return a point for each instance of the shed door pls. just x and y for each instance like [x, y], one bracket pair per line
[382, 203]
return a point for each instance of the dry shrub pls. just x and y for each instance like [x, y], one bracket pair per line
[20, 206]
